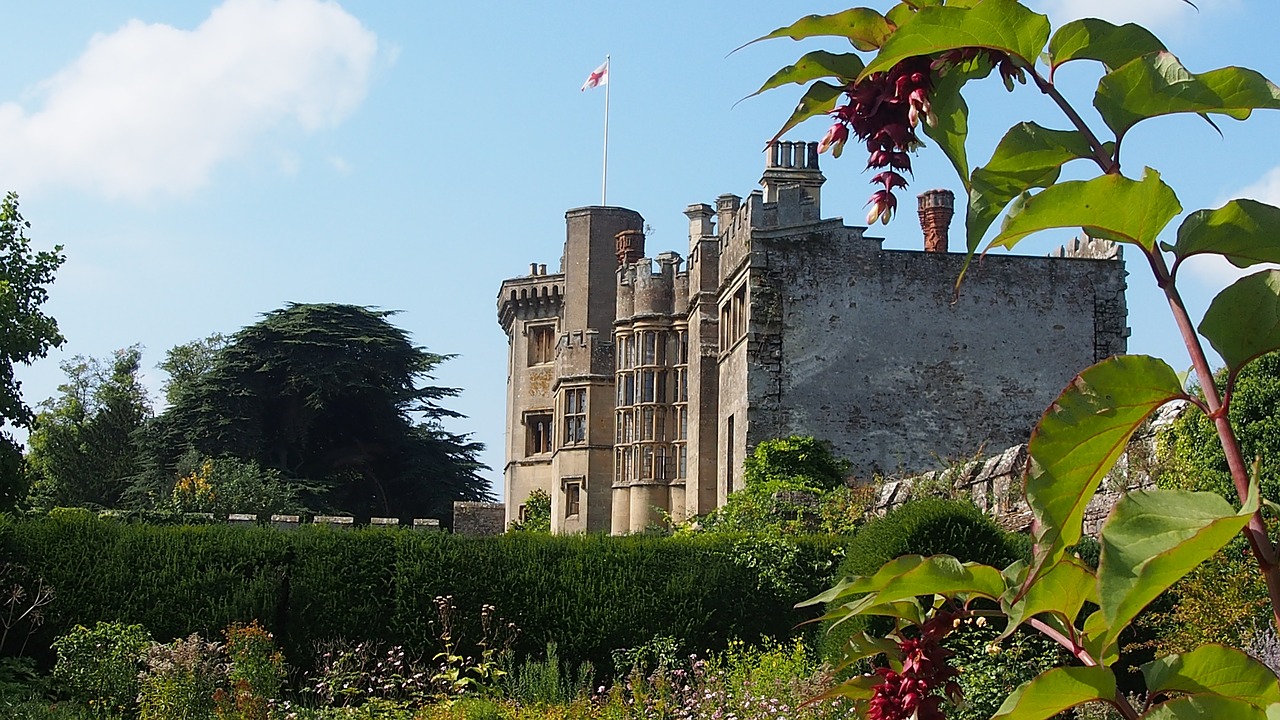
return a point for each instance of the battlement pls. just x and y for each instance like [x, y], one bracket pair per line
[642, 290]
[583, 352]
[1088, 248]
[536, 295]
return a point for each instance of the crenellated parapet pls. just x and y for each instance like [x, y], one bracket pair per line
[653, 286]
[532, 297]
[583, 353]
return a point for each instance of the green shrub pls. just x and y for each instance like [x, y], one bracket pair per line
[589, 594]
[539, 682]
[180, 679]
[99, 666]
[256, 674]
[929, 526]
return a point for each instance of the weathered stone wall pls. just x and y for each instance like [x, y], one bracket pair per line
[479, 518]
[995, 484]
[872, 349]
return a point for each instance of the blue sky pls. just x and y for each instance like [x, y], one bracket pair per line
[205, 162]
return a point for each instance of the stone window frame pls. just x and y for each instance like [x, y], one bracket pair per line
[541, 342]
[572, 487]
[575, 416]
[532, 420]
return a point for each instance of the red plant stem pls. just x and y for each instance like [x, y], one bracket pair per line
[1108, 164]
[1079, 653]
[1256, 530]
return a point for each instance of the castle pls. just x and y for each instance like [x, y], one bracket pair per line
[637, 385]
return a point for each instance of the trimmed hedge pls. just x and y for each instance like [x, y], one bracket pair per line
[928, 526]
[590, 594]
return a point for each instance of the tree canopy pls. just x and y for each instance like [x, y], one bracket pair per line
[26, 332]
[331, 395]
[82, 443]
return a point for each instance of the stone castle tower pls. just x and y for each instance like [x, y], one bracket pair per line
[637, 385]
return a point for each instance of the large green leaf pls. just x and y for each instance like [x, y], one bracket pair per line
[1028, 156]
[1157, 84]
[1056, 690]
[819, 99]
[864, 27]
[1080, 438]
[1003, 25]
[1246, 232]
[1109, 206]
[950, 128]
[1243, 321]
[1062, 590]
[1151, 540]
[1215, 669]
[934, 575]
[1204, 707]
[812, 66]
[1093, 39]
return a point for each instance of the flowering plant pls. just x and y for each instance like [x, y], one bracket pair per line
[923, 54]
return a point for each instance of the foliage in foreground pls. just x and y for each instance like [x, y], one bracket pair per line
[26, 334]
[921, 57]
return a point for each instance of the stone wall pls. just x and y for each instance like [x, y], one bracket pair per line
[873, 349]
[995, 484]
[479, 518]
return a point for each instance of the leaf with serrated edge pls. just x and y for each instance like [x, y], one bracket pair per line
[1094, 39]
[1028, 156]
[865, 28]
[1063, 591]
[1109, 206]
[812, 66]
[1151, 540]
[1243, 321]
[819, 99]
[1246, 232]
[1215, 669]
[1004, 25]
[1204, 707]
[1056, 690]
[1157, 84]
[1080, 438]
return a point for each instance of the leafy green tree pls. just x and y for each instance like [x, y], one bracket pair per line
[83, 450]
[1192, 459]
[188, 362]
[537, 514]
[799, 459]
[328, 395]
[1223, 600]
[26, 333]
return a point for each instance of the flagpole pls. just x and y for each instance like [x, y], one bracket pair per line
[604, 176]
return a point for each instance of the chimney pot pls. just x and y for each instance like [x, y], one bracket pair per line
[630, 245]
[936, 208]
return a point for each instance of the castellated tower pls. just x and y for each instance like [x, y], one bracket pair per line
[638, 384]
[560, 395]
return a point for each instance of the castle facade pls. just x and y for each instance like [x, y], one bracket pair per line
[637, 385]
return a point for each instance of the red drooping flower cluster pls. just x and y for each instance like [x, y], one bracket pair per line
[913, 693]
[884, 110]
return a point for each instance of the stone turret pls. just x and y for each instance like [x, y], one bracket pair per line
[793, 164]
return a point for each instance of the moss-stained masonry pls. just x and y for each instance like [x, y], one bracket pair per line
[785, 323]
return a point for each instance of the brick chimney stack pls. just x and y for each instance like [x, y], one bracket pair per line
[630, 246]
[936, 209]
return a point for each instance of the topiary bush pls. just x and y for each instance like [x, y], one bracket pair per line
[930, 526]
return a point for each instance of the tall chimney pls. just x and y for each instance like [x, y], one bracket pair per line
[936, 209]
[630, 246]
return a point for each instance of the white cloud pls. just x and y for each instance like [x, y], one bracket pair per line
[1154, 13]
[152, 109]
[1214, 270]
